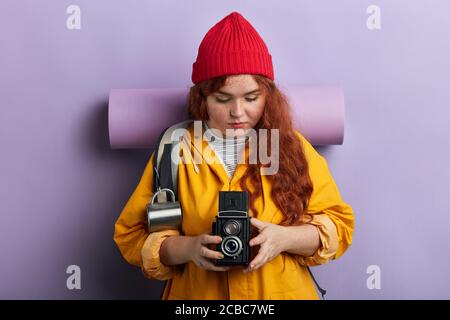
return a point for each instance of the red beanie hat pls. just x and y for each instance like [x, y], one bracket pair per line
[232, 46]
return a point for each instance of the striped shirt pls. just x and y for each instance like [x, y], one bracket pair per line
[227, 150]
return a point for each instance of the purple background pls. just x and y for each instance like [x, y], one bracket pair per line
[62, 187]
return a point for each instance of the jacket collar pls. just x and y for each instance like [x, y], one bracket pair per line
[200, 149]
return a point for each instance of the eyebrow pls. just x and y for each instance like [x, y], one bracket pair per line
[229, 94]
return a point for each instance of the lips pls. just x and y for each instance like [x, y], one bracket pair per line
[237, 125]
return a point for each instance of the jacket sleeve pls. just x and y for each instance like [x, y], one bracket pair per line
[326, 210]
[136, 244]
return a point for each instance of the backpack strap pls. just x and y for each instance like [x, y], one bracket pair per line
[165, 168]
[322, 291]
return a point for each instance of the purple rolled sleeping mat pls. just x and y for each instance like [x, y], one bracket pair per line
[138, 116]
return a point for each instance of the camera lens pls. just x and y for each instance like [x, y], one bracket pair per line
[231, 246]
[232, 227]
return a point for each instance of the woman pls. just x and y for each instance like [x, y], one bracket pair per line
[298, 211]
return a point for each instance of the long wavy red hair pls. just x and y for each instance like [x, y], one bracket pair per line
[291, 185]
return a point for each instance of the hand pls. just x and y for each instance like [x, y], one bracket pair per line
[202, 256]
[272, 239]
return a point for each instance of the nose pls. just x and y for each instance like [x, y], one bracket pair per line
[236, 109]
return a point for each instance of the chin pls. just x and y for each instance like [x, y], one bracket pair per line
[238, 132]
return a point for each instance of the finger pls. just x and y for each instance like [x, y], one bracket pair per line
[255, 262]
[265, 260]
[210, 254]
[258, 223]
[206, 239]
[258, 264]
[260, 238]
[208, 265]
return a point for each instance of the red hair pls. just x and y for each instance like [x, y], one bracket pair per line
[291, 185]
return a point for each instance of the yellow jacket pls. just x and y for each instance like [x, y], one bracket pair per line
[285, 277]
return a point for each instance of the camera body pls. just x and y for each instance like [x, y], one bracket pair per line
[233, 225]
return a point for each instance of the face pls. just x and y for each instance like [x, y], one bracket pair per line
[237, 106]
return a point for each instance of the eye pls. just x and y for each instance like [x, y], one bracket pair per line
[222, 100]
[251, 99]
